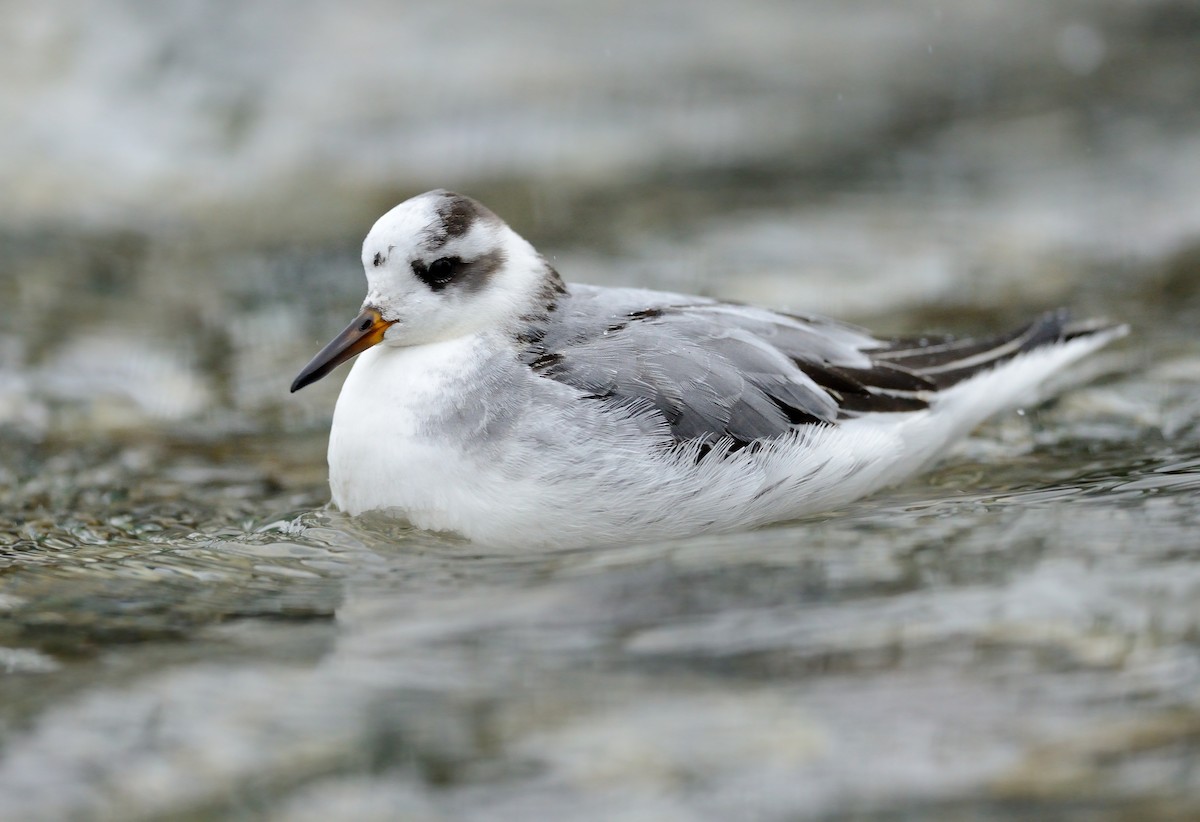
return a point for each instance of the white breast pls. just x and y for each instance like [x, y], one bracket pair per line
[380, 454]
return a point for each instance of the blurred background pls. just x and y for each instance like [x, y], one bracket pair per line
[186, 630]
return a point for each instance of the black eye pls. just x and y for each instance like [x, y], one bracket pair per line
[438, 274]
[441, 269]
[365, 324]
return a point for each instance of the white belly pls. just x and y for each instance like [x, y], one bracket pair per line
[380, 454]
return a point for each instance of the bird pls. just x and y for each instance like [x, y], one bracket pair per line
[494, 401]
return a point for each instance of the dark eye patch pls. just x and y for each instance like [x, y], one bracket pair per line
[468, 276]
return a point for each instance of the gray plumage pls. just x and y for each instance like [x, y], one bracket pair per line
[720, 371]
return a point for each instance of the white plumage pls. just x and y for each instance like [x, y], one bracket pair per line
[493, 401]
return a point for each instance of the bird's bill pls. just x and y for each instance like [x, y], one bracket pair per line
[366, 330]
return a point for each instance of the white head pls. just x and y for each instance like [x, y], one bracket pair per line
[439, 266]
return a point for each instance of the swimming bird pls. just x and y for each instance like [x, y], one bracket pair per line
[493, 400]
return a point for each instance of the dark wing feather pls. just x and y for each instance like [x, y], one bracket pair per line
[949, 361]
[717, 371]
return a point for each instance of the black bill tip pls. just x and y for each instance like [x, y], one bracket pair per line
[364, 331]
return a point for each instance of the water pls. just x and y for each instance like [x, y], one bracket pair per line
[189, 632]
[1014, 631]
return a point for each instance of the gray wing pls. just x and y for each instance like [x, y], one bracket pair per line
[718, 371]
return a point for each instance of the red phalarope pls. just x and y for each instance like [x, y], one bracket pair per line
[493, 400]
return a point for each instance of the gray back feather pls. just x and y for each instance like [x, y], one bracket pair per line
[723, 372]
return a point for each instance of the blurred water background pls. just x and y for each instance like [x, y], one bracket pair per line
[186, 632]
